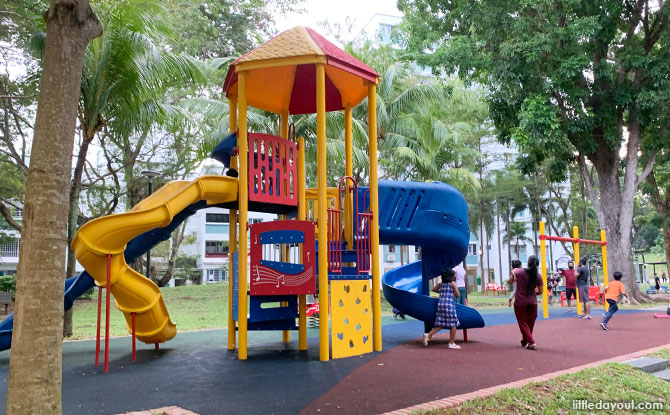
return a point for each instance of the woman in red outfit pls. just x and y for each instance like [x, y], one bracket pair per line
[529, 286]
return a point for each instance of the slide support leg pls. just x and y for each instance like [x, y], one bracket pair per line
[134, 349]
[97, 335]
[107, 292]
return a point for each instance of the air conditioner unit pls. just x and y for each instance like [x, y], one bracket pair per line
[390, 258]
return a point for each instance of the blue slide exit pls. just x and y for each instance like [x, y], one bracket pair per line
[433, 216]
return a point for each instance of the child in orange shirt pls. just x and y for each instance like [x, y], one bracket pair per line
[612, 292]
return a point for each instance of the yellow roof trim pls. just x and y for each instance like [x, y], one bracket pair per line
[269, 63]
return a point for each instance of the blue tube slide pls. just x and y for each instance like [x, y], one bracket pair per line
[433, 216]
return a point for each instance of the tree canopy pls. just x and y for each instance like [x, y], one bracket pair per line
[568, 81]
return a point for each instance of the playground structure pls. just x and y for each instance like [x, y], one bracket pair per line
[576, 241]
[326, 242]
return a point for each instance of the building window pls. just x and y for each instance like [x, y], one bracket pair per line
[17, 214]
[385, 29]
[213, 275]
[520, 249]
[215, 249]
[217, 217]
[472, 249]
[255, 220]
[391, 249]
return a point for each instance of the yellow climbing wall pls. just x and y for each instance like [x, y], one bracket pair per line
[351, 318]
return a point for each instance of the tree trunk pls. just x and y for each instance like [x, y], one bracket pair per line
[615, 205]
[509, 247]
[73, 221]
[499, 249]
[488, 259]
[35, 366]
[481, 247]
[666, 238]
[67, 322]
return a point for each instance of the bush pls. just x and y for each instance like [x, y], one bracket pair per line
[8, 284]
[88, 294]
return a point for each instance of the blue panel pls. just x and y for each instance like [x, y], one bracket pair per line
[287, 324]
[221, 229]
[236, 283]
[282, 237]
[284, 267]
[257, 313]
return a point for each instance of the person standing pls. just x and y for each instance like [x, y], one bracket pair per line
[570, 284]
[459, 271]
[657, 282]
[529, 286]
[445, 316]
[663, 276]
[583, 283]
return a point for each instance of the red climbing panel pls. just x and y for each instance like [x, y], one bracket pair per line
[273, 170]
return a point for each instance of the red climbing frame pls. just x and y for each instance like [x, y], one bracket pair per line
[273, 169]
[362, 221]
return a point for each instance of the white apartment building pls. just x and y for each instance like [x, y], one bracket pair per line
[9, 253]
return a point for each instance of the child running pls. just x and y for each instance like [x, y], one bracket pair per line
[446, 309]
[612, 292]
[512, 280]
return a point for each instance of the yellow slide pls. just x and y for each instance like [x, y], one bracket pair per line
[133, 292]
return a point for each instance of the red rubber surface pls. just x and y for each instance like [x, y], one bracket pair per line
[411, 374]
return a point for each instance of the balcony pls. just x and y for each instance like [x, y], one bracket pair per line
[10, 250]
[472, 260]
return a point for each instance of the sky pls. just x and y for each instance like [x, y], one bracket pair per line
[336, 12]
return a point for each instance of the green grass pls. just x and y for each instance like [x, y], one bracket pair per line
[614, 382]
[192, 307]
[661, 354]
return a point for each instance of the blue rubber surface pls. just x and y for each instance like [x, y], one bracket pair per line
[433, 216]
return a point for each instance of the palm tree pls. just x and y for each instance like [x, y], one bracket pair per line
[517, 233]
[127, 72]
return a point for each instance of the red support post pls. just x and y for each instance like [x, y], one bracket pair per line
[465, 335]
[97, 335]
[156, 347]
[107, 291]
[134, 350]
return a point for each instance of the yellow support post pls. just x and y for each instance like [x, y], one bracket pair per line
[349, 171]
[286, 334]
[323, 218]
[232, 234]
[605, 274]
[575, 234]
[374, 226]
[243, 205]
[302, 209]
[543, 263]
